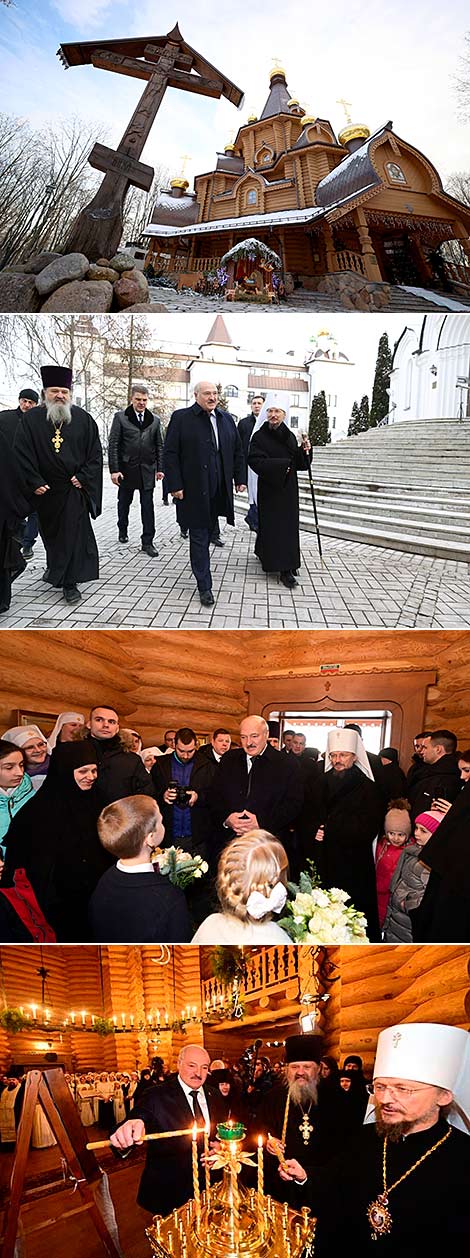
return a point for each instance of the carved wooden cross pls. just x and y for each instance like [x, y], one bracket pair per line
[164, 61]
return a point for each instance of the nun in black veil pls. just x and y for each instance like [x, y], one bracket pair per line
[55, 840]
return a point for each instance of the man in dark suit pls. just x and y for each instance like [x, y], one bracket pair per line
[245, 429]
[180, 822]
[136, 462]
[9, 421]
[181, 1101]
[255, 787]
[203, 457]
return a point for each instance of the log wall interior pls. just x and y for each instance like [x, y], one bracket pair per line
[375, 987]
[157, 679]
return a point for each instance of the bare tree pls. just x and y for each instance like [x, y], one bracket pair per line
[458, 185]
[45, 182]
[462, 81]
[139, 205]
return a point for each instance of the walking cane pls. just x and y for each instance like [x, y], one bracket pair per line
[315, 512]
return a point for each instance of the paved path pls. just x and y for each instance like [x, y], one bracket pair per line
[185, 301]
[359, 586]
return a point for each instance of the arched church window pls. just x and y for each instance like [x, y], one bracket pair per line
[252, 197]
[231, 390]
[395, 172]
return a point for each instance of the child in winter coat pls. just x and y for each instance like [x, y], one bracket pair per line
[16, 787]
[397, 830]
[409, 880]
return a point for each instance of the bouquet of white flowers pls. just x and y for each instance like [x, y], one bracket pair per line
[315, 916]
[179, 866]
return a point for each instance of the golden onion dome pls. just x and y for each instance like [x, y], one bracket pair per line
[354, 131]
[179, 183]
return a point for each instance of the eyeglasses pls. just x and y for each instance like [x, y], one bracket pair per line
[396, 1090]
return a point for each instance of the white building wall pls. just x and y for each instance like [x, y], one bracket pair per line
[337, 381]
[423, 383]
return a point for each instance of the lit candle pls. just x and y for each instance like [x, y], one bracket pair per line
[235, 1192]
[132, 1019]
[48, 1015]
[194, 1011]
[166, 1017]
[182, 1015]
[207, 1006]
[260, 1168]
[123, 1019]
[72, 1018]
[34, 1011]
[21, 1009]
[221, 1002]
[114, 1019]
[92, 1019]
[206, 1166]
[213, 1000]
[157, 1015]
[196, 1192]
[83, 1017]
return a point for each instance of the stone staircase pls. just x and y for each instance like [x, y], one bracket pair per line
[405, 487]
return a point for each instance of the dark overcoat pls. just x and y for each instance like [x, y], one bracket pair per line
[440, 780]
[275, 457]
[273, 791]
[167, 1180]
[187, 459]
[133, 446]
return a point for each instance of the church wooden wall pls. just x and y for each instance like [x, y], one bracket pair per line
[156, 679]
[383, 985]
[374, 987]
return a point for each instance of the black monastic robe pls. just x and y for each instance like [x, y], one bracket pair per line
[351, 808]
[330, 1129]
[64, 511]
[275, 457]
[13, 508]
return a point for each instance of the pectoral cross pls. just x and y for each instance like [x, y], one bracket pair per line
[57, 440]
[164, 61]
[305, 1128]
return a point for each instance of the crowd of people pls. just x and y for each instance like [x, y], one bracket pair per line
[51, 472]
[88, 816]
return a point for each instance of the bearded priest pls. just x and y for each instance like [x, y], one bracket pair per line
[60, 462]
[401, 1187]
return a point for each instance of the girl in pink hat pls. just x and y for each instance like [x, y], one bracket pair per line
[409, 881]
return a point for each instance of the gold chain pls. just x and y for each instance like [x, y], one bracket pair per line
[415, 1164]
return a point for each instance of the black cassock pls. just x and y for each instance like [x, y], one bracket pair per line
[351, 808]
[330, 1130]
[64, 511]
[430, 1210]
[444, 913]
[13, 509]
[275, 457]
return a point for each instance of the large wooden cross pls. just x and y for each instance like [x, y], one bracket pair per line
[164, 61]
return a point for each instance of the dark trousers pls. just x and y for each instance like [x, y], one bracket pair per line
[199, 540]
[31, 530]
[126, 493]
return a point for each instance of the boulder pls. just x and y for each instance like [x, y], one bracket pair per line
[73, 266]
[122, 262]
[94, 297]
[96, 272]
[102, 262]
[38, 261]
[130, 289]
[150, 307]
[18, 293]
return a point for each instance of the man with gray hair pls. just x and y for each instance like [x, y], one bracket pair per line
[136, 462]
[175, 1105]
[60, 462]
[203, 457]
[254, 787]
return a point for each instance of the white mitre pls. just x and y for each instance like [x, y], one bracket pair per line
[428, 1052]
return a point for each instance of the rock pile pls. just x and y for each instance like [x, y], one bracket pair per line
[69, 283]
[355, 292]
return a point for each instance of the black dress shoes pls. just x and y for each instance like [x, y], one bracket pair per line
[123, 537]
[217, 541]
[288, 579]
[27, 552]
[72, 594]
[150, 550]
[206, 597]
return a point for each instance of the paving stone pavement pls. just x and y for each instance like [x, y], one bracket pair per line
[358, 586]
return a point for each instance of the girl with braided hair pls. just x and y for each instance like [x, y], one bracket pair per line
[251, 887]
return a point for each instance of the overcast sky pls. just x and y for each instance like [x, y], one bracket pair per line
[257, 335]
[391, 61]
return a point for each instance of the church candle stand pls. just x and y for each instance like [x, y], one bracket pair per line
[231, 1221]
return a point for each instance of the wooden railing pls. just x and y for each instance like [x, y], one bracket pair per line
[348, 261]
[266, 970]
[458, 273]
[162, 262]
